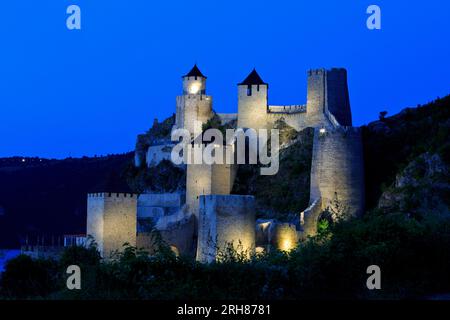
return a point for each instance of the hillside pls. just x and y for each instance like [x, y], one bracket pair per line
[40, 196]
[407, 224]
[407, 159]
[393, 143]
[284, 195]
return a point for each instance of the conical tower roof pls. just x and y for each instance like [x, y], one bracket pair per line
[195, 72]
[252, 78]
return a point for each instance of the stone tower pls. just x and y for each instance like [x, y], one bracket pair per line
[252, 102]
[328, 93]
[194, 107]
[337, 171]
[338, 101]
[316, 97]
[111, 221]
[205, 179]
[225, 220]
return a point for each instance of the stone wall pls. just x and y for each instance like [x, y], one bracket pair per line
[326, 90]
[179, 235]
[263, 232]
[196, 83]
[111, 221]
[285, 236]
[225, 220]
[156, 206]
[227, 117]
[338, 101]
[298, 121]
[204, 179]
[337, 172]
[192, 111]
[160, 200]
[310, 217]
[198, 182]
[274, 234]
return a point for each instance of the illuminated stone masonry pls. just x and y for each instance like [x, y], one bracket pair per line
[200, 220]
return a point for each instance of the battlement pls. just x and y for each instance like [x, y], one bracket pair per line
[112, 195]
[191, 78]
[321, 71]
[193, 97]
[287, 109]
[111, 220]
[227, 117]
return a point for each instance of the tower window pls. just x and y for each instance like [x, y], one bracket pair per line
[249, 90]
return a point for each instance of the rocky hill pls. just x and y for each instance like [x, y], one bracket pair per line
[408, 155]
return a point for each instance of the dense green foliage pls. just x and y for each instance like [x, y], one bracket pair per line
[413, 256]
[285, 194]
[164, 177]
[411, 246]
[391, 143]
[160, 131]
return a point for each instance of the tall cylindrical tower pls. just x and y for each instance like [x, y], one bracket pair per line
[337, 171]
[194, 107]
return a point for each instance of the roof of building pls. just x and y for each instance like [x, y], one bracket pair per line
[252, 78]
[195, 72]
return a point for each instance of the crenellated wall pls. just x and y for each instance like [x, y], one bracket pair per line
[298, 121]
[111, 220]
[326, 91]
[337, 174]
[227, 117]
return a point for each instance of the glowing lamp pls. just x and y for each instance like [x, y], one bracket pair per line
[322, 130]
[286, 245]
[194, 88]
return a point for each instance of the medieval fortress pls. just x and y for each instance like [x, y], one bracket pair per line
[205, 218]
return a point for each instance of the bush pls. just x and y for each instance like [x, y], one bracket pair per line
[25, 277]
[413, 256]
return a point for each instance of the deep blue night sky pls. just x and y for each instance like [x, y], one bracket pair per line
[74, 93]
